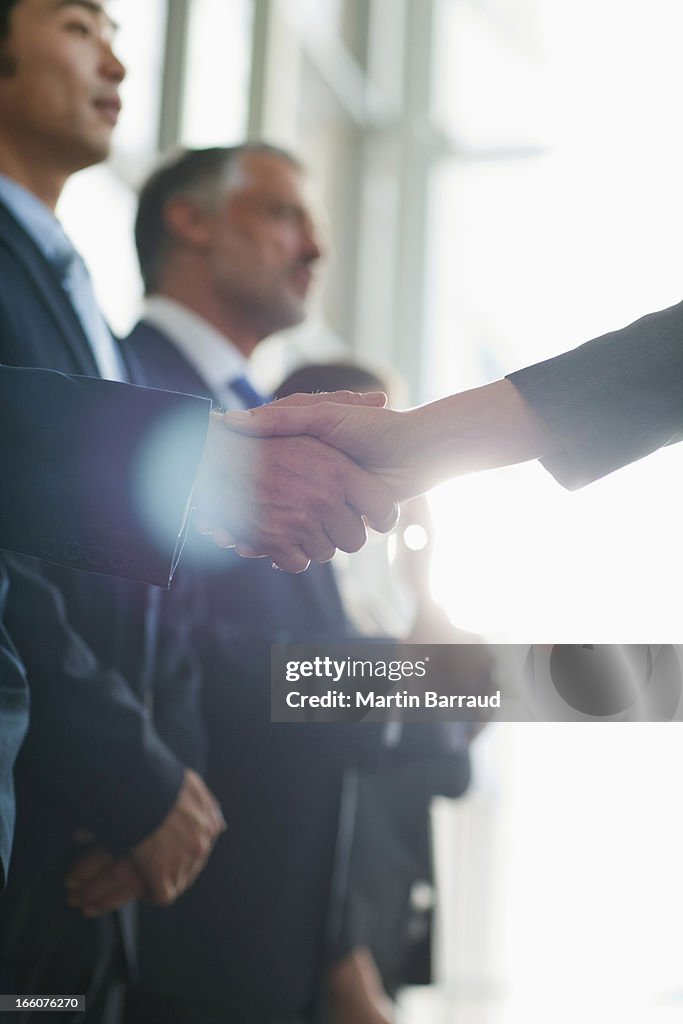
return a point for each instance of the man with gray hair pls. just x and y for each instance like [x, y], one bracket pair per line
[228, 249]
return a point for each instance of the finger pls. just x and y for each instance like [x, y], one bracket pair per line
[214, 813]
[125, 891]
[220, 823]
[289, 558]
[372, 498]
[376, 399]
[245, 551]
[347, 529]
[222, 539]
[319, 547]
[120, 876]
[162, 890]
[280, 420]
[87, 868]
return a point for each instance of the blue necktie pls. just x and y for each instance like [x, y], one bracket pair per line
[78, 286]
[246, 392]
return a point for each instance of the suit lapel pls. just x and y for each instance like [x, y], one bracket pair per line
[156, 362]
[48, 290]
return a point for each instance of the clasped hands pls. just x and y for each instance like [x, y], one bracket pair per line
[301, 477]
[160, 867]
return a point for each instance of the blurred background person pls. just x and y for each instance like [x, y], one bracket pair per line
[228, 246]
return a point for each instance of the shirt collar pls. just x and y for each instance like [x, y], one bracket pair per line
[211, 354]
[37, 220]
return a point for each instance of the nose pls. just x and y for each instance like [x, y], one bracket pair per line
[311, 246]
[111, 66]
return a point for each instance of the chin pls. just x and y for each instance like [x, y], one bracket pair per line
[96, 139]
[293, 313]
[91, 152]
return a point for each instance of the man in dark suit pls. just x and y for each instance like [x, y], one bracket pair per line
[227, 248]
[91, 758]
[58, 106]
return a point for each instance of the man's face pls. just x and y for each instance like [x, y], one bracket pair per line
[59, 96]
[262, 244]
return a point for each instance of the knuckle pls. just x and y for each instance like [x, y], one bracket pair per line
[325, 556]
[201, 846]
[336, 470]
[165, 894]
[351, 545]
[302, 516]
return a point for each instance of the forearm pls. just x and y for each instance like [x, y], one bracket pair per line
[479, 429]
[96, 474]
[413, 451]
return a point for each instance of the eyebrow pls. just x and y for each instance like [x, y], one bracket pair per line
[89, 5]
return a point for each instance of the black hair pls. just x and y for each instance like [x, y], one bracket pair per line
[7, 62]
[5, 11]
[192, 171]
[342, 376]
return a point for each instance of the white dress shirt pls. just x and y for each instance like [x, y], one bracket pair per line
[43, 228]
[211, 354]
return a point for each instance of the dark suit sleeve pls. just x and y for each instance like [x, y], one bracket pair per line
[97, 475]
[613, 400]
[89, 741]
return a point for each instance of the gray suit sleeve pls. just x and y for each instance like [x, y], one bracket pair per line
[613, 400]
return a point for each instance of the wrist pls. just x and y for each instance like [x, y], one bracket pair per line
[478, 429]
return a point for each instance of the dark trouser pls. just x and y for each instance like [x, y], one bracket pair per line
[62, 972]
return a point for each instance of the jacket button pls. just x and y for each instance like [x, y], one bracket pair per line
[118, 558]
[94, 555]
[73, 551]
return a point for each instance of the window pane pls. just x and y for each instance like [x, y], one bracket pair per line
[487, 84]
[140, 45]
[528, 256]
[217, 81]
[531, 256]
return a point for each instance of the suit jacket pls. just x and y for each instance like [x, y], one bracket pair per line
[91, 752]
[252, 935]
[612, 400]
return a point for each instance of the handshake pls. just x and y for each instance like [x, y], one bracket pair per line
[299, 478]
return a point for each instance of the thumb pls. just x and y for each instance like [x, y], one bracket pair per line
[376, 399]
[268, 421]
[279, 420]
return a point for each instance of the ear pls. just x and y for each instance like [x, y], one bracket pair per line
[186, 222]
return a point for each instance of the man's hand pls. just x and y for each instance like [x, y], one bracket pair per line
[414, 450]
[381, 440]
[293, 499]
[99, 883]
[356, 992]
[170, 858]
[160, 867]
